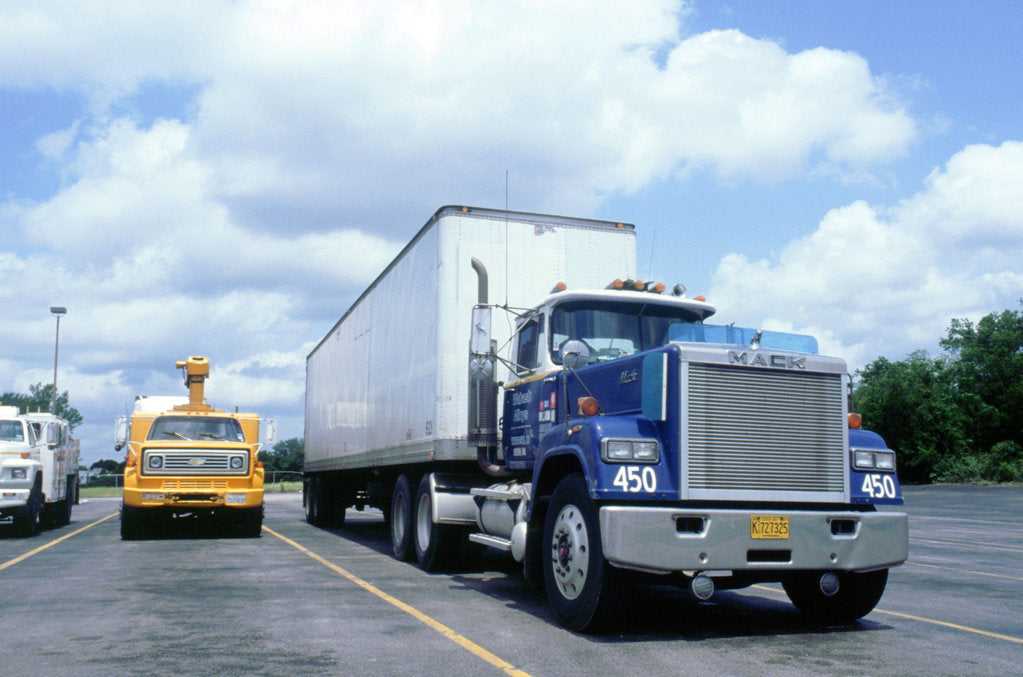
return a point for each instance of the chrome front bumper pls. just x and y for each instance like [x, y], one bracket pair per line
[673, 539]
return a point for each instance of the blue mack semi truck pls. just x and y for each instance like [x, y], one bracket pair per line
[614, 436]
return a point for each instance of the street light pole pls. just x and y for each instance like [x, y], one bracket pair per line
[57, 311]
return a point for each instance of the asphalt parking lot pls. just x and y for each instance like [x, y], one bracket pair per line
[302, 600]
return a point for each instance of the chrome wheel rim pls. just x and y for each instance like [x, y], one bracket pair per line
[570, 552]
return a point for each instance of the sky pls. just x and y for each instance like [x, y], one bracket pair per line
[225, 178]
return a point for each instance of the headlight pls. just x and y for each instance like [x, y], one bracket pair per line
[154, 462]
[867, 459]
[237, 462]
[631, 451]
[18, 473]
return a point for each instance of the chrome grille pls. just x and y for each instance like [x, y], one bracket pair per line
[760, 430]
[194, 461]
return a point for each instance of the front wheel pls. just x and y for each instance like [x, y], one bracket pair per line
[584, 591]
[857, 594]
[252, 522]
[131, 523]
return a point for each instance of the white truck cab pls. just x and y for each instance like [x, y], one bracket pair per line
[38, 470]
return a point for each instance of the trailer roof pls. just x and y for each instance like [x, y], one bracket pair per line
[480, 213]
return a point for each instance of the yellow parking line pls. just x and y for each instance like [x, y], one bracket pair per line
[922, 619]
[463, 642]
[12, 562]
[958, 541]
[965, 571]
[955, 626]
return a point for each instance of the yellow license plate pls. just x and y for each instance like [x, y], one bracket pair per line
[769, 526]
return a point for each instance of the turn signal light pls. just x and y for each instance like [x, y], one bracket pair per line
[855, 420]
[588, 406]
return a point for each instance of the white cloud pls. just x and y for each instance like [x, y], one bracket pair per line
[322, 134]
[888, 281]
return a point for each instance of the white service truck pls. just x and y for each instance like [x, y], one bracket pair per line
[38, 470]
[597, 428]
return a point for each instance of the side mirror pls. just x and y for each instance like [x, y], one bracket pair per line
[52, 437]
[120, 432]
[575, 354]
[269, 430]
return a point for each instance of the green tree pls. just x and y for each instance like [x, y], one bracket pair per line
[988, 371]
[915, 407]
[286, 455]
[108, 465]
[39, 399]
[955, 418]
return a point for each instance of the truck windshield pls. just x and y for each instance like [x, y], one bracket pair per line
[196, 428]
[612, 330]
[12, 431]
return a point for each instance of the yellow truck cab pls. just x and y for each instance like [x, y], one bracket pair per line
[186, 460]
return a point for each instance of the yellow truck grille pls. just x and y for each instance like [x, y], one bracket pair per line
[191, 485]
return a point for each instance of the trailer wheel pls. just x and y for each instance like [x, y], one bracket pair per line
[315, 498]
[401, 519]
[584, 591]
[308, 501]
[857, 595]
[436, 545]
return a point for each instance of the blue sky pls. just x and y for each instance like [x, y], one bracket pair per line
[223, 178]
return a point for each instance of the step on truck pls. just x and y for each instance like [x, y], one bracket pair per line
[38, 470]
[186, 460]
[507, 382]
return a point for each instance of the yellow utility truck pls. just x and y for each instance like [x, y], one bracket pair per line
[188, 461]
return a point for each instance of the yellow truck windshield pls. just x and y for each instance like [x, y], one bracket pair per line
[196, 428]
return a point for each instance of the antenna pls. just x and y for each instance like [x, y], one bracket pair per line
[506, 238]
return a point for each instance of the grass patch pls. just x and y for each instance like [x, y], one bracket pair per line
[282, 487]
[99, 492]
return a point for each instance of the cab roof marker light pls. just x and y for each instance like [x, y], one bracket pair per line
[657, 288]
[615, 284]
[559, 287]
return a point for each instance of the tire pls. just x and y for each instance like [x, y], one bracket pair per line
[584, 591]
[312, 500]
[401, 520]
[436, 545]
[131, 523]
[26, 519]
[252, 522]
[857, 595]
[62, 509]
